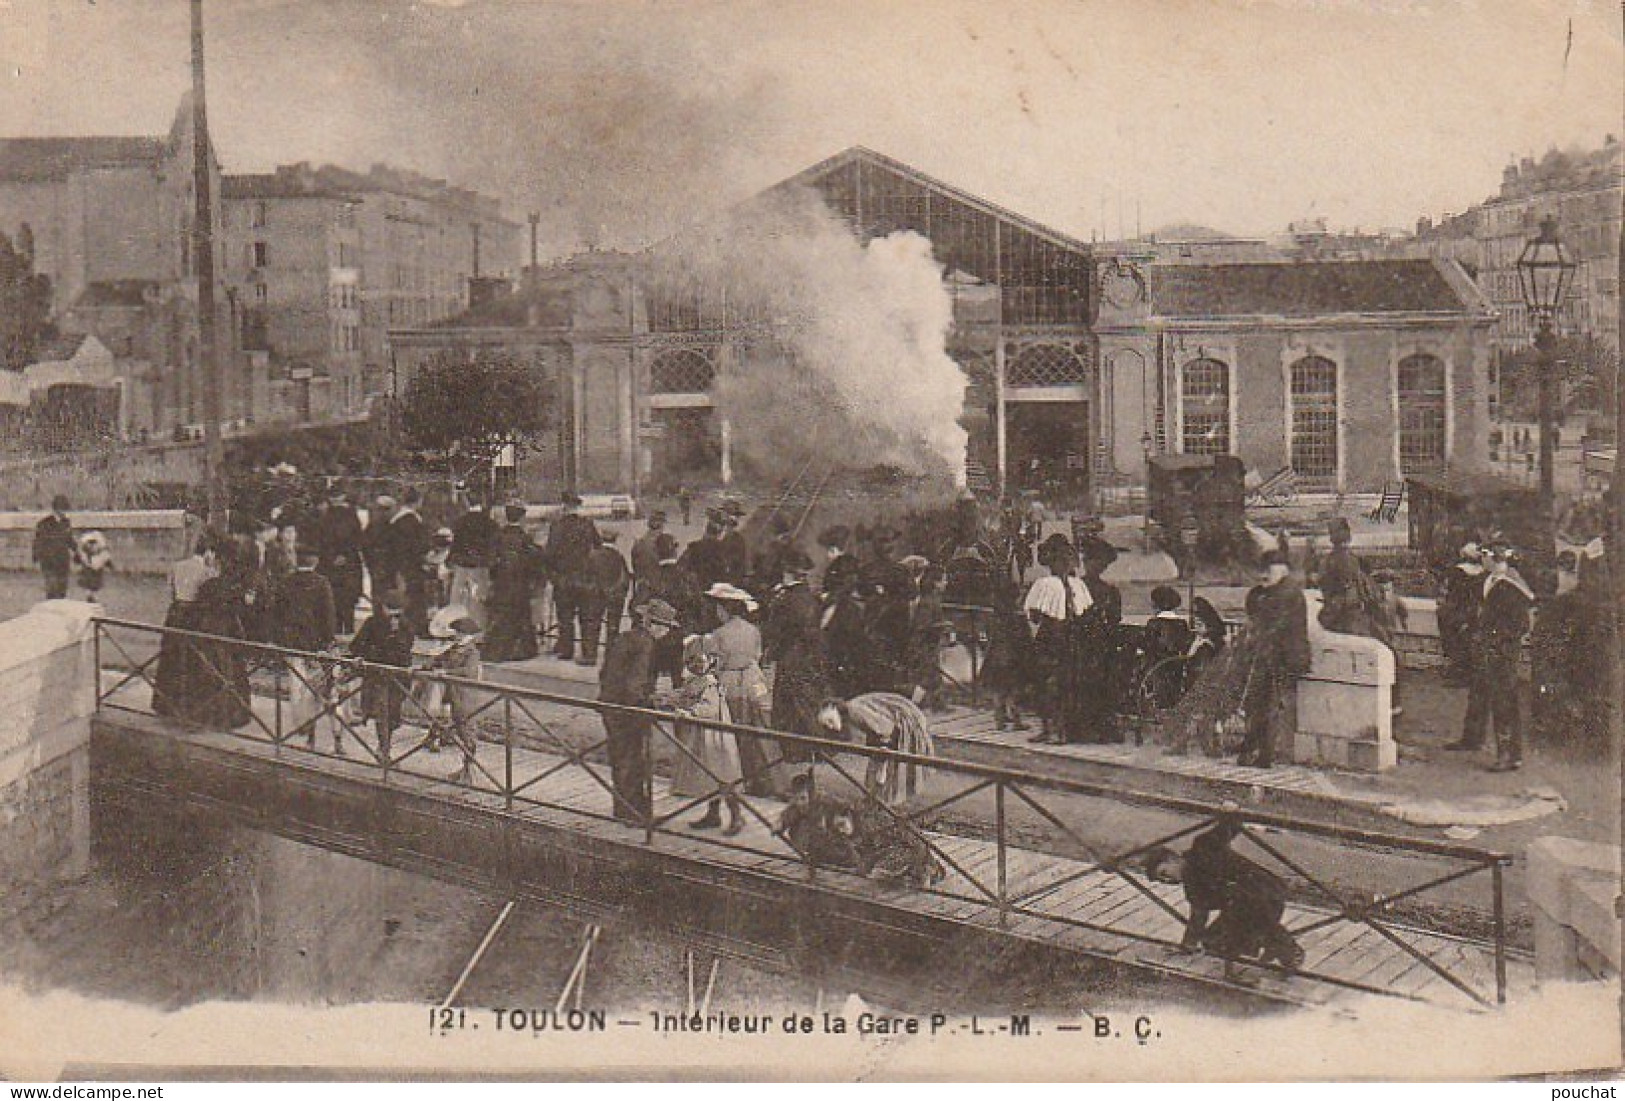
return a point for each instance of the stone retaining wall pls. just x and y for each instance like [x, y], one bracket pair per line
[143, 542]
[47, 695]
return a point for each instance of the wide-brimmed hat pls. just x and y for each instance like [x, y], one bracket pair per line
[733, 594]
[1092, 548]
[443, 535]
[914, 562]
[465, 626]
[444, 622]
[658, 612]
[384, 500]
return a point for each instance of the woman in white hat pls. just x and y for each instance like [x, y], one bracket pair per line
[737, 645]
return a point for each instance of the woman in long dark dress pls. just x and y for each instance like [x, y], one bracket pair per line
[176, 677]
[1056, 604]
[220, 695]
[791, 641]
[515, 573]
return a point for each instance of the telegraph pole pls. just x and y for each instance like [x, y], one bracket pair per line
[214, 454]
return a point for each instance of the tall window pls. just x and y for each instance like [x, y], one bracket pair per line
[1204, 391]
[1314, 419]
[1421, 413]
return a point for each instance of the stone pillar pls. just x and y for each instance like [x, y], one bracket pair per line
[1345, 712]
[1572, 887]
[47, 694]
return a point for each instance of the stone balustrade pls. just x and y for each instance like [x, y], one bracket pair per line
[1345, 713]
[47, 695]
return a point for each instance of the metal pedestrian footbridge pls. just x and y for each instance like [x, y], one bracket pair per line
[532, 816]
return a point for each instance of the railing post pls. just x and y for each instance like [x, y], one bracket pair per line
[645, 792]
[507, 752]
[279, 667]
[812, 796]
[1496, 879]
[96, 657]
[1004, 898]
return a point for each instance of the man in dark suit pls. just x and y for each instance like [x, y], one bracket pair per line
[409, 541]
[303, 618]
[628, 678]
[570, 541]
[604, 597]
[1279, 618]
[646, 555]
[336, 537]
[1503, 621]
[55, 548]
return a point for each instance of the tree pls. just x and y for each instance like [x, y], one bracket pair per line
[1586, 366]
[25, 302]
[467, 411]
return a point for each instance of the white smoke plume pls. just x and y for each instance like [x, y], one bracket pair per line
[848, 360]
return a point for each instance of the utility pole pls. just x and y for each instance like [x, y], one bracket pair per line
[214, 453]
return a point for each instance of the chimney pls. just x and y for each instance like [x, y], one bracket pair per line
[474, 227]
[535, 220]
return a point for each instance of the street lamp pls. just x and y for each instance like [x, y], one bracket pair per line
[1545, 270]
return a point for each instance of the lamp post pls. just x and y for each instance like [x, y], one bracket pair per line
[1545, 270]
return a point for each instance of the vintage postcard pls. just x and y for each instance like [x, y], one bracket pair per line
[901, 539]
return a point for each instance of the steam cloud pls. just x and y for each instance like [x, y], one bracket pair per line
[848, 361]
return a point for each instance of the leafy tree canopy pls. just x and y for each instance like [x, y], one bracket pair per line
[25, 302]
[471, 410]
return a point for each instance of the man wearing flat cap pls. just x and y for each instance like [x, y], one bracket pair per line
[628, 678]
[1279, 619]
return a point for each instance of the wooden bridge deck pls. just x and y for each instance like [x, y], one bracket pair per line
[1097, 914]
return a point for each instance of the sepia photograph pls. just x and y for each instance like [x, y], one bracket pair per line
[855, 540]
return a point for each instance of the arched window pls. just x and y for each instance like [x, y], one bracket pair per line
[1314, 419]
[680, 371]
[1046, 365]
[1421, 413]
[1204, 393]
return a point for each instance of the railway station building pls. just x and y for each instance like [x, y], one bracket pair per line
[1081, 361]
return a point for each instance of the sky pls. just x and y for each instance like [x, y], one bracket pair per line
[620, 120]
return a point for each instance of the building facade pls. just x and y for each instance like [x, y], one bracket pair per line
[1079, 364]
[111, 221]
[1354, 373]
[322, 262]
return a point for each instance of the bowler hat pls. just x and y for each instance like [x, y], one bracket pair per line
[658, 612]
[1165, 598]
